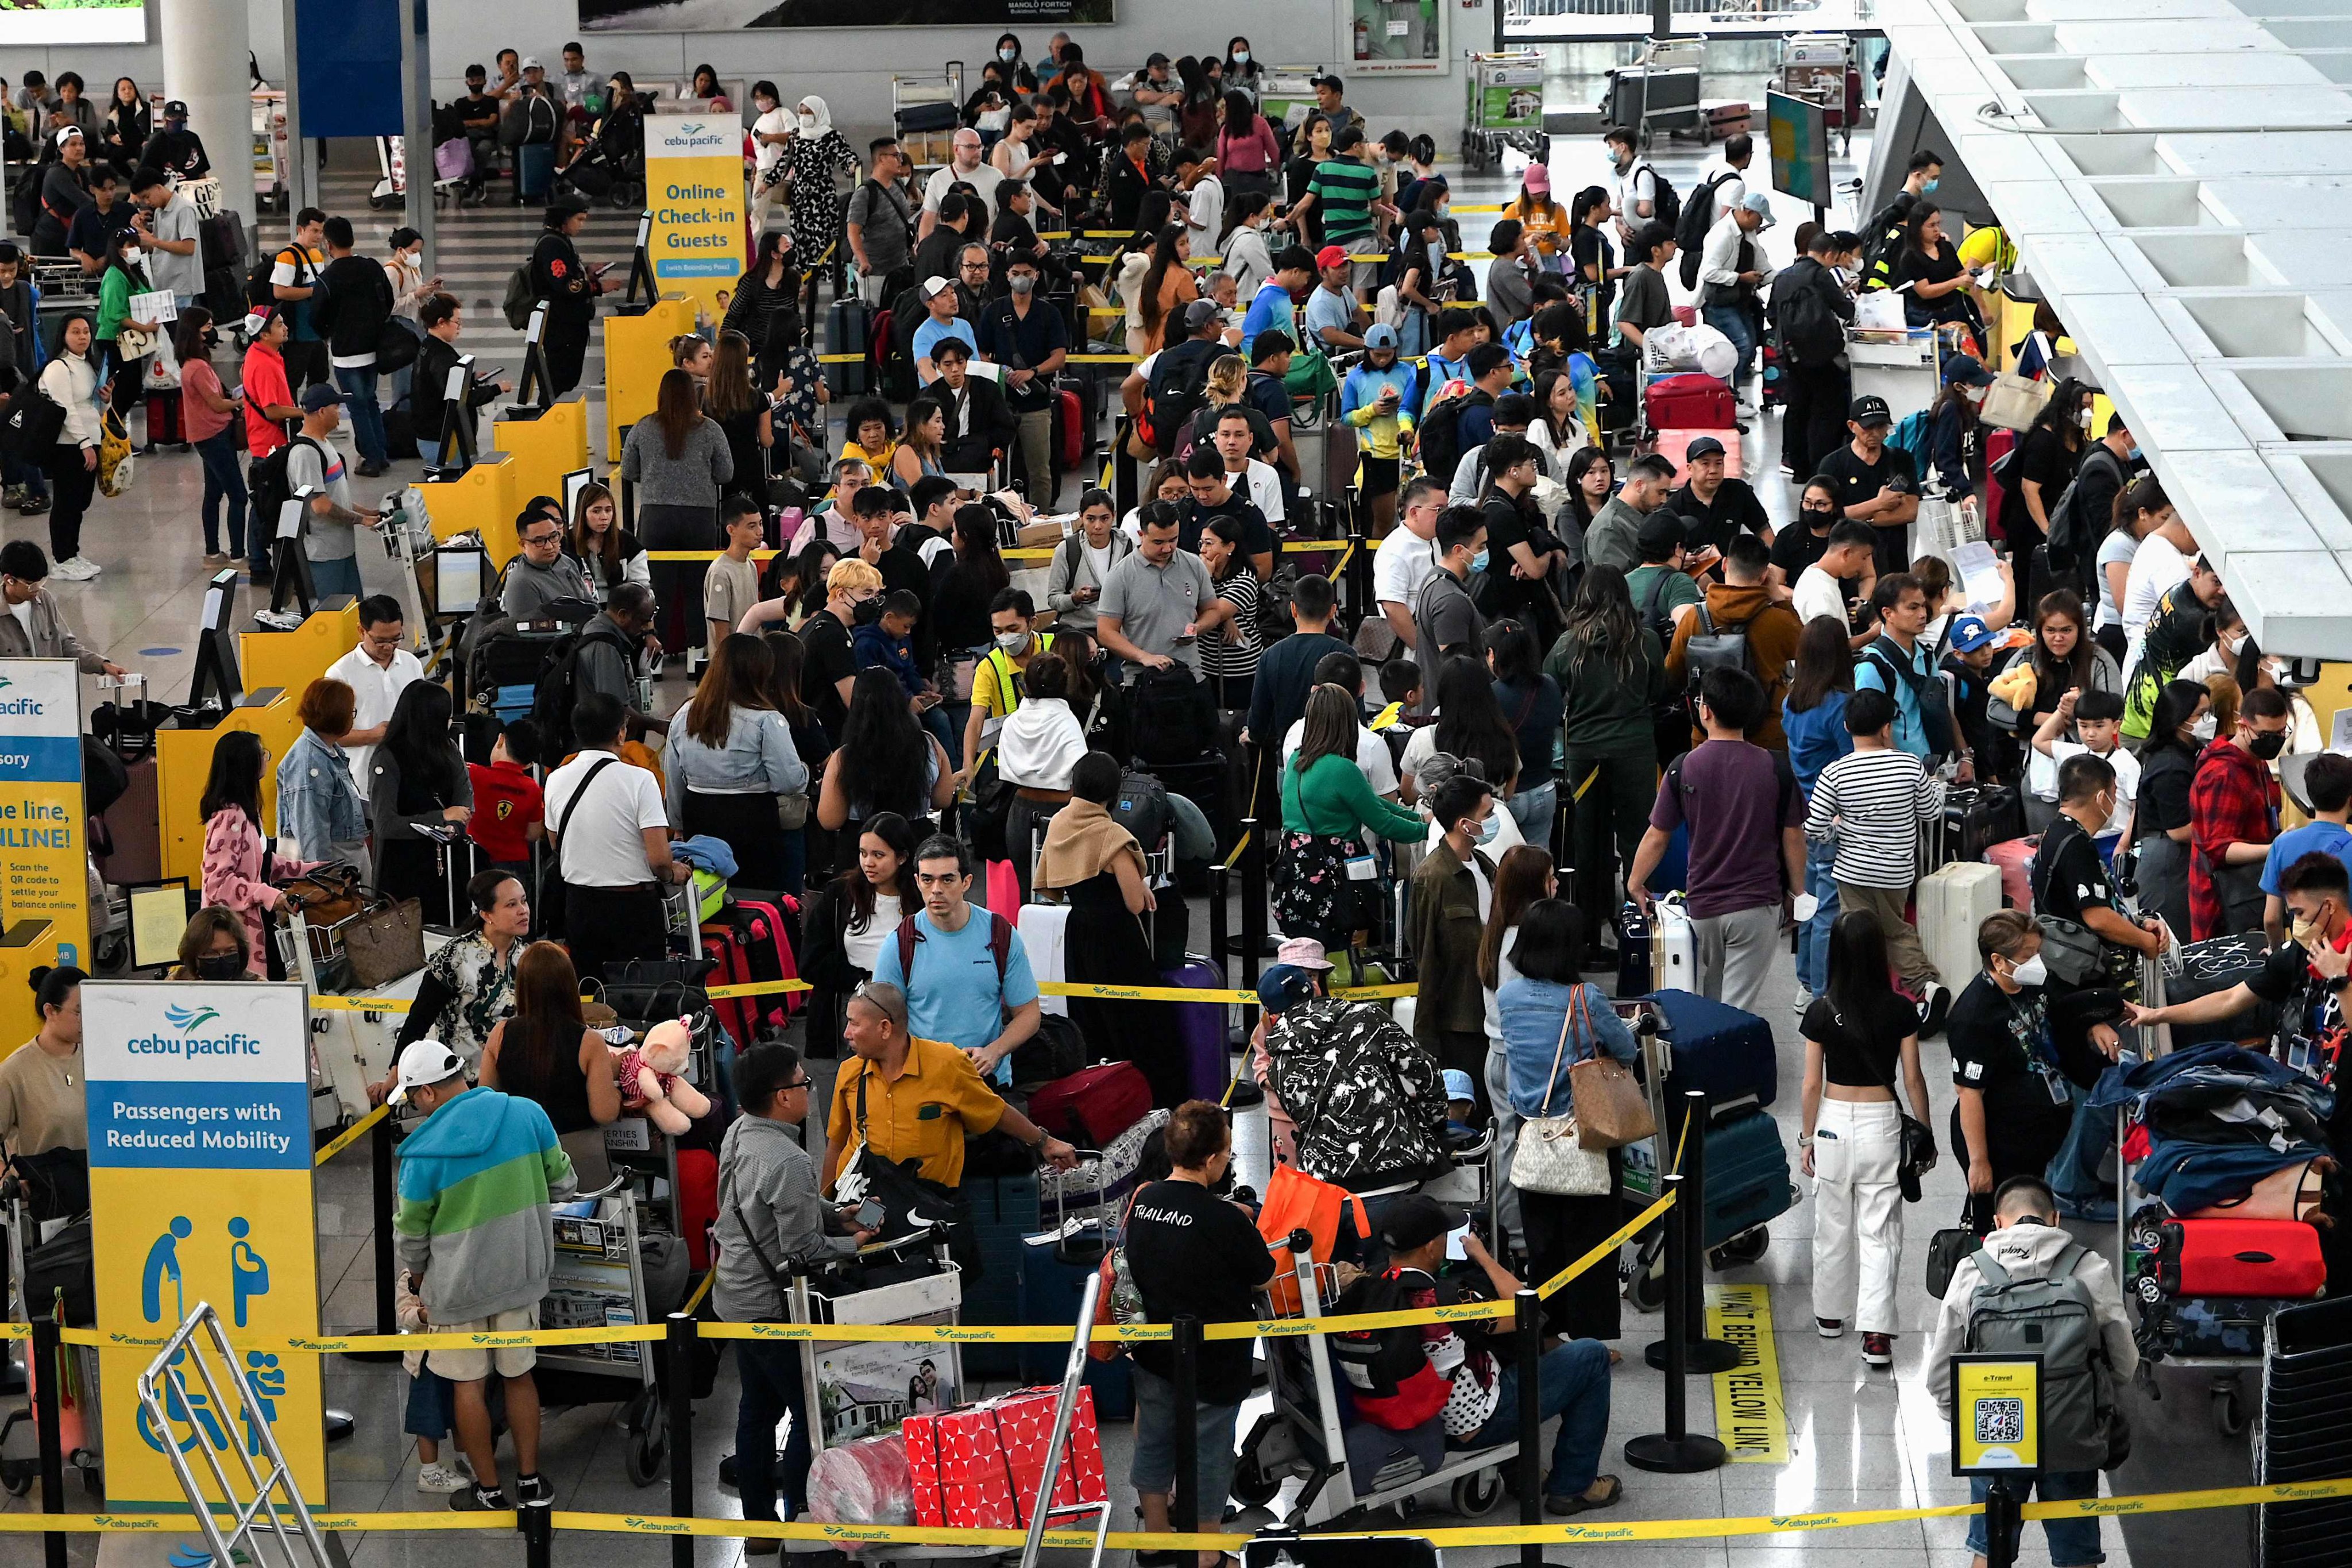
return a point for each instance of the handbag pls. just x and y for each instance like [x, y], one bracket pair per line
[2013, 402]
[35, 422]
[1945, 1248]
[1611, 1110]
[116, 466]
[1551, 1159]
[792, 811]
[385, 944]
[395, 347]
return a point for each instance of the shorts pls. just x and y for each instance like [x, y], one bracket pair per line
[1379, 477]
[432, 1405]
[472, 1365]
[1153, 1466]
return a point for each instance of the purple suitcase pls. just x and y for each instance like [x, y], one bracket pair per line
[1203, 1025]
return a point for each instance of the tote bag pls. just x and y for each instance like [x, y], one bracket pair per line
[1551, 1158]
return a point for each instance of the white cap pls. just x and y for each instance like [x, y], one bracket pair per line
[424, 1062]
[530, 63]
[934, 287]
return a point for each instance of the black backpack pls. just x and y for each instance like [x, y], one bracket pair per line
[2074, 538]
[1440, 436]
[1691, 224]
[1143, 810]
[261, 291]
[1667, 204]
[271, 488]
[1378, 1362]
[1811, 334]
[557, 692]
[1178, 390]
[1174, 720]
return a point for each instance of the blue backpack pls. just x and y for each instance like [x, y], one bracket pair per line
[1912, 434]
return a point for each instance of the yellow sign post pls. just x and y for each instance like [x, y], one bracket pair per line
[44, 910]
[694, 188]
[200, 1191]
[1996, 1415]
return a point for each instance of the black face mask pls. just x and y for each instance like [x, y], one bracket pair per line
[2267, 746]
[223, 966]
[1815, 516]
[866, 612]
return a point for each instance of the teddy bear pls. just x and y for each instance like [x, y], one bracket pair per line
[648, 1074]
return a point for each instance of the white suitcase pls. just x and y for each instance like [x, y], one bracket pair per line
[1674, 951]
[1953, 900]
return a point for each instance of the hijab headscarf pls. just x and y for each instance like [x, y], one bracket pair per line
[823, 125]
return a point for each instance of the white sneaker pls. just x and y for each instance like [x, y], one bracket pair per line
[440, 1479]
[79, 569]
[1800, 1001]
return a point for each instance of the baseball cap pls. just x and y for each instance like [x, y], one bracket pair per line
[935, 287]
[1661, 534]
[424, 1062]
[1200, 313]
[1154, 59]
[1285, 986]
[1758, 203]
[320, 395]
[1966, 369]
[1329, 255]
[176, 109]
[1380, 335]
[1325, 79]
[1868, 411]
[1458, 1085]
[1414, 1221]
[68, 133]
[530, 63]
[1302, 953]
[1969, 632]
[1704, 447]
[1538, 178]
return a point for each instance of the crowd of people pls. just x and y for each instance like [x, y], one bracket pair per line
[1572, 689]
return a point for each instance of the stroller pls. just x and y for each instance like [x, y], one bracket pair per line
[611, 167]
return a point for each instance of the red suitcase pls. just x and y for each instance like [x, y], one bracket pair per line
[719, 945]
[1070, 420]
[697, 1201]
[1691, 401]
[774, 932]
[1092, 1105]
[2012, 858]
[163, 428]
[1997, 444]
[2276, 1259]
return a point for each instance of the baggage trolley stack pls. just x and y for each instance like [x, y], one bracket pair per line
[1348, 1467]
[1506, 110]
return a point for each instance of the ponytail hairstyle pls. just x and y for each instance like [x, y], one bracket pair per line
[2144, 494]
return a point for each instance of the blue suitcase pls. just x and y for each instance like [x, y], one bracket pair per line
[1049, 1292]
[1004, 1210]
[1747, 1175]
[1720, 1049]
[1202, 1026]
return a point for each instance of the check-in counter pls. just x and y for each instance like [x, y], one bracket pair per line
[636, 356]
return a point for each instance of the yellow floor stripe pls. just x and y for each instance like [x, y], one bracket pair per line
[1749, 1417]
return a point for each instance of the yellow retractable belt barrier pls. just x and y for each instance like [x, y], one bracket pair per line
[1565, 1534]
[349, 1135]
[778, 987]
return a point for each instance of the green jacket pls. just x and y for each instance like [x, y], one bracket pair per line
[113, 304]
[1444, 935]
[1334, 797]
[1605, 713]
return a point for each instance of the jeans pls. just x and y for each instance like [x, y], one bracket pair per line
[1153, 1468]
[223, 481]
[771, 1485]
[329, 578]
[1736, 322]
[1857, 1213]
[358, 385]
[2073, 1542]
[1735, 954]
[1813, 935]
[1572, 1383]
[1533, 810]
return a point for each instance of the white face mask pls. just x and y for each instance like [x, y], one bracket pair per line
[1008, 56]
[1241, 57]
[2032, 971]
[808, 121]
[2201, 726]
[1013, 642]
[131, 254]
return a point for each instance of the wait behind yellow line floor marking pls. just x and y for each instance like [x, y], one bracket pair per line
[1749, 1418]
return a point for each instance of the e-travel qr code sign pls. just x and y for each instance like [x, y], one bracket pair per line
[1996, 1415]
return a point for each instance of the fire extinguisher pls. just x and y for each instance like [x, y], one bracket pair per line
[1363, 39]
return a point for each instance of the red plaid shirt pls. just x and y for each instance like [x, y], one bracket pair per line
[2233, 799]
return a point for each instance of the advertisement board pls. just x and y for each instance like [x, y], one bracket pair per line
[44, 860]
[31, 22]
[694, 191]
[717, 15]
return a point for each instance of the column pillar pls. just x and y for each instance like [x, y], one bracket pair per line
[204, 48]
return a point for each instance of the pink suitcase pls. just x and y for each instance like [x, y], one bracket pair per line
[1728, 119]
[2012, 858]
[1672, 444]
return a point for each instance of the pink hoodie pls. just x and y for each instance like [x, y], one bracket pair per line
[234, 852]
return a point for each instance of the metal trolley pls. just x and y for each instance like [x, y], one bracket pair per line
[599, 1282]
[1506, 109]
[79, 1429]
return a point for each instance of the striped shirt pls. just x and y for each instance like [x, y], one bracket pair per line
[1870, 805]
[1345, 189]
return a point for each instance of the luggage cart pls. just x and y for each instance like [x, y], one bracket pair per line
[1506, 110]
[77, 1429]
[391, 177]
[1347, 1469]
[1660, 90]
[598, 1281]
[1820, 67]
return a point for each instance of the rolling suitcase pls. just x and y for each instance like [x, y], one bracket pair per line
[1720, 1049]
[1201, 1026]
[2012, 857]
[1997, 445]
[1003, 1211]
[849, 330]
[1674, 949]
[774, 932]
[1747, 1175]
[1633, 952]
[2217, 964]
[1953, 901]
[722, 946]
[1688, 402]
[1674, 444]
[1070, 430]
[1048, 1291]
[1094, 1105]
[2275, 1259]
[1725, 121]
[1974, 820]
[163, 427]
[697, 1203]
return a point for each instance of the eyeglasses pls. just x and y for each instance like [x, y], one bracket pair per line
[801, 1082]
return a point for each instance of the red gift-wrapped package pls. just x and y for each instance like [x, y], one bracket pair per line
[979, 1468]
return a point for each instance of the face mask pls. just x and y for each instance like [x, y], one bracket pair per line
[2267, 746]
[1490, 827]
[1022, 283]
[764, 105]
[1478, 561]
[1013, 642]
[808, 121]
[2201, 728]
[1930, 188]
[2133, 454]
[228, 966]
[2032, 971]
[2084, 419]
[1241, 57]
[131, 254]
[2308, 932]
[1008, 56]
[866, 612]
[1973, 393]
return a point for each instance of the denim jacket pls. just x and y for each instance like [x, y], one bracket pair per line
[318, 804]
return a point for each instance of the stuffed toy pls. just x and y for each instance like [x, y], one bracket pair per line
[648, 1074]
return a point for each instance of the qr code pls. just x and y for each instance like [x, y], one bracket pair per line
[2000, 1421]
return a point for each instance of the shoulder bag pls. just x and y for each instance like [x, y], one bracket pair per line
[2071, 949]
[1917, 1148]
[1551, 1158]
[1611, 1110]
[1946, 1247]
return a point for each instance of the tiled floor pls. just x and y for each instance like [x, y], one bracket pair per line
[1857, 1439]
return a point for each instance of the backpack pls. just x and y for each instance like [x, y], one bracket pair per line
[1439, 438]
[1810, 334]
[1368, 1098]
[519, 301]
[557, 690]
[1885, 235]
[1933, 697]
[1663, 197]
[1912, 434]
[1710, 646]
[271, 488]
[1000, 945]
[2075, 539]
[1142, 809]
[1178, 390]
[1387, 1369]
[2054, 1318]
[1693, 222]
[1173, 720]
[260, 290]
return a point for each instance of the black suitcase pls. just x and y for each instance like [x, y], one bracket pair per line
[400, 432]
[220, 240]
[1975, 819]
[2216, 964]
[849, 331]
[224, 294]
[927, 116]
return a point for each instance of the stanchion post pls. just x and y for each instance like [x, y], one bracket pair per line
[1526, 1325]
[1701, 1354]
[1253, 904]
[1184, 1518]
[387, 1266]
[1220, 917]
[1676, 1450]
[2004, 1522]
[43, 1382]
[678, 1370]
[539, 1537]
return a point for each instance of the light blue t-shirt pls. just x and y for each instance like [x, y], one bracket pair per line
[933, 330]
[1910, 734]
[2311, 838]
[1271, 308]
[1326, 309]
[954, 996]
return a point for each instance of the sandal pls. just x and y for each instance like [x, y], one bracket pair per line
[1581, 1503]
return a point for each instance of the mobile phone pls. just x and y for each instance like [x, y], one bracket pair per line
[871, 1213]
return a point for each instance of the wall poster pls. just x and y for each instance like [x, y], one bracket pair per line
[721, 15]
